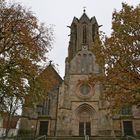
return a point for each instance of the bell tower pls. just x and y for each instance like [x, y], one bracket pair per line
[79, 100]
[82, 36]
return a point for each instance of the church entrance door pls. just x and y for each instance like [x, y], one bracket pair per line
[84, 128]
[128, 128]
[84, 120]
[43, 128]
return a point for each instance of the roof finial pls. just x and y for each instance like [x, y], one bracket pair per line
[84, 9]
[50, 62]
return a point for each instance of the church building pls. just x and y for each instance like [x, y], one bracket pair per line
[75, 107]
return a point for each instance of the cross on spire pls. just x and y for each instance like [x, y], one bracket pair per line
[50, 62]
[84, 9]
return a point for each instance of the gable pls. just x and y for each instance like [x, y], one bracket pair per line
[50, 77]
[84, 18]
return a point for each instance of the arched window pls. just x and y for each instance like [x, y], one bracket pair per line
[78, 65]
[93, 32]
[84, 34]
[84, 63]
[90, 61]
[75, 37]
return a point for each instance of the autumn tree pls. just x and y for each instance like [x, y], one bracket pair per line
[24, 43]
[120, 56]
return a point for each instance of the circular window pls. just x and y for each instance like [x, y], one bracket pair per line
[85, 89]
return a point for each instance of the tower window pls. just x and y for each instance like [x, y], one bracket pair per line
[93, 32]
[84, 64]
[84, 34]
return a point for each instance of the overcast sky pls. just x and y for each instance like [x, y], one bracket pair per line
[60, 13]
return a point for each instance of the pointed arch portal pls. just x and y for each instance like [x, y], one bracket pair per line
[85, 113]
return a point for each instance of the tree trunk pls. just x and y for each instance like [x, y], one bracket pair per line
[8, 125]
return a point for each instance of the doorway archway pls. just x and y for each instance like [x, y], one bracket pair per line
[85, 117]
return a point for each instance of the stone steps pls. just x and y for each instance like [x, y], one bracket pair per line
[90, 138]
[83, 138]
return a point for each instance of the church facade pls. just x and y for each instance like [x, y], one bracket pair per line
[75, 107]
[79, 102]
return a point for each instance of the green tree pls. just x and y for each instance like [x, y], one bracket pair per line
[24, 43]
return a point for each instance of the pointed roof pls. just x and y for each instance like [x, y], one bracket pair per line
[49, 80]
[51, 76]
[84, 17]
[93, 20]
[75, 20]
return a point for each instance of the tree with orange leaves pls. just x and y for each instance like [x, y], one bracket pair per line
[119, 54]
[24, 43]
[119, 57]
